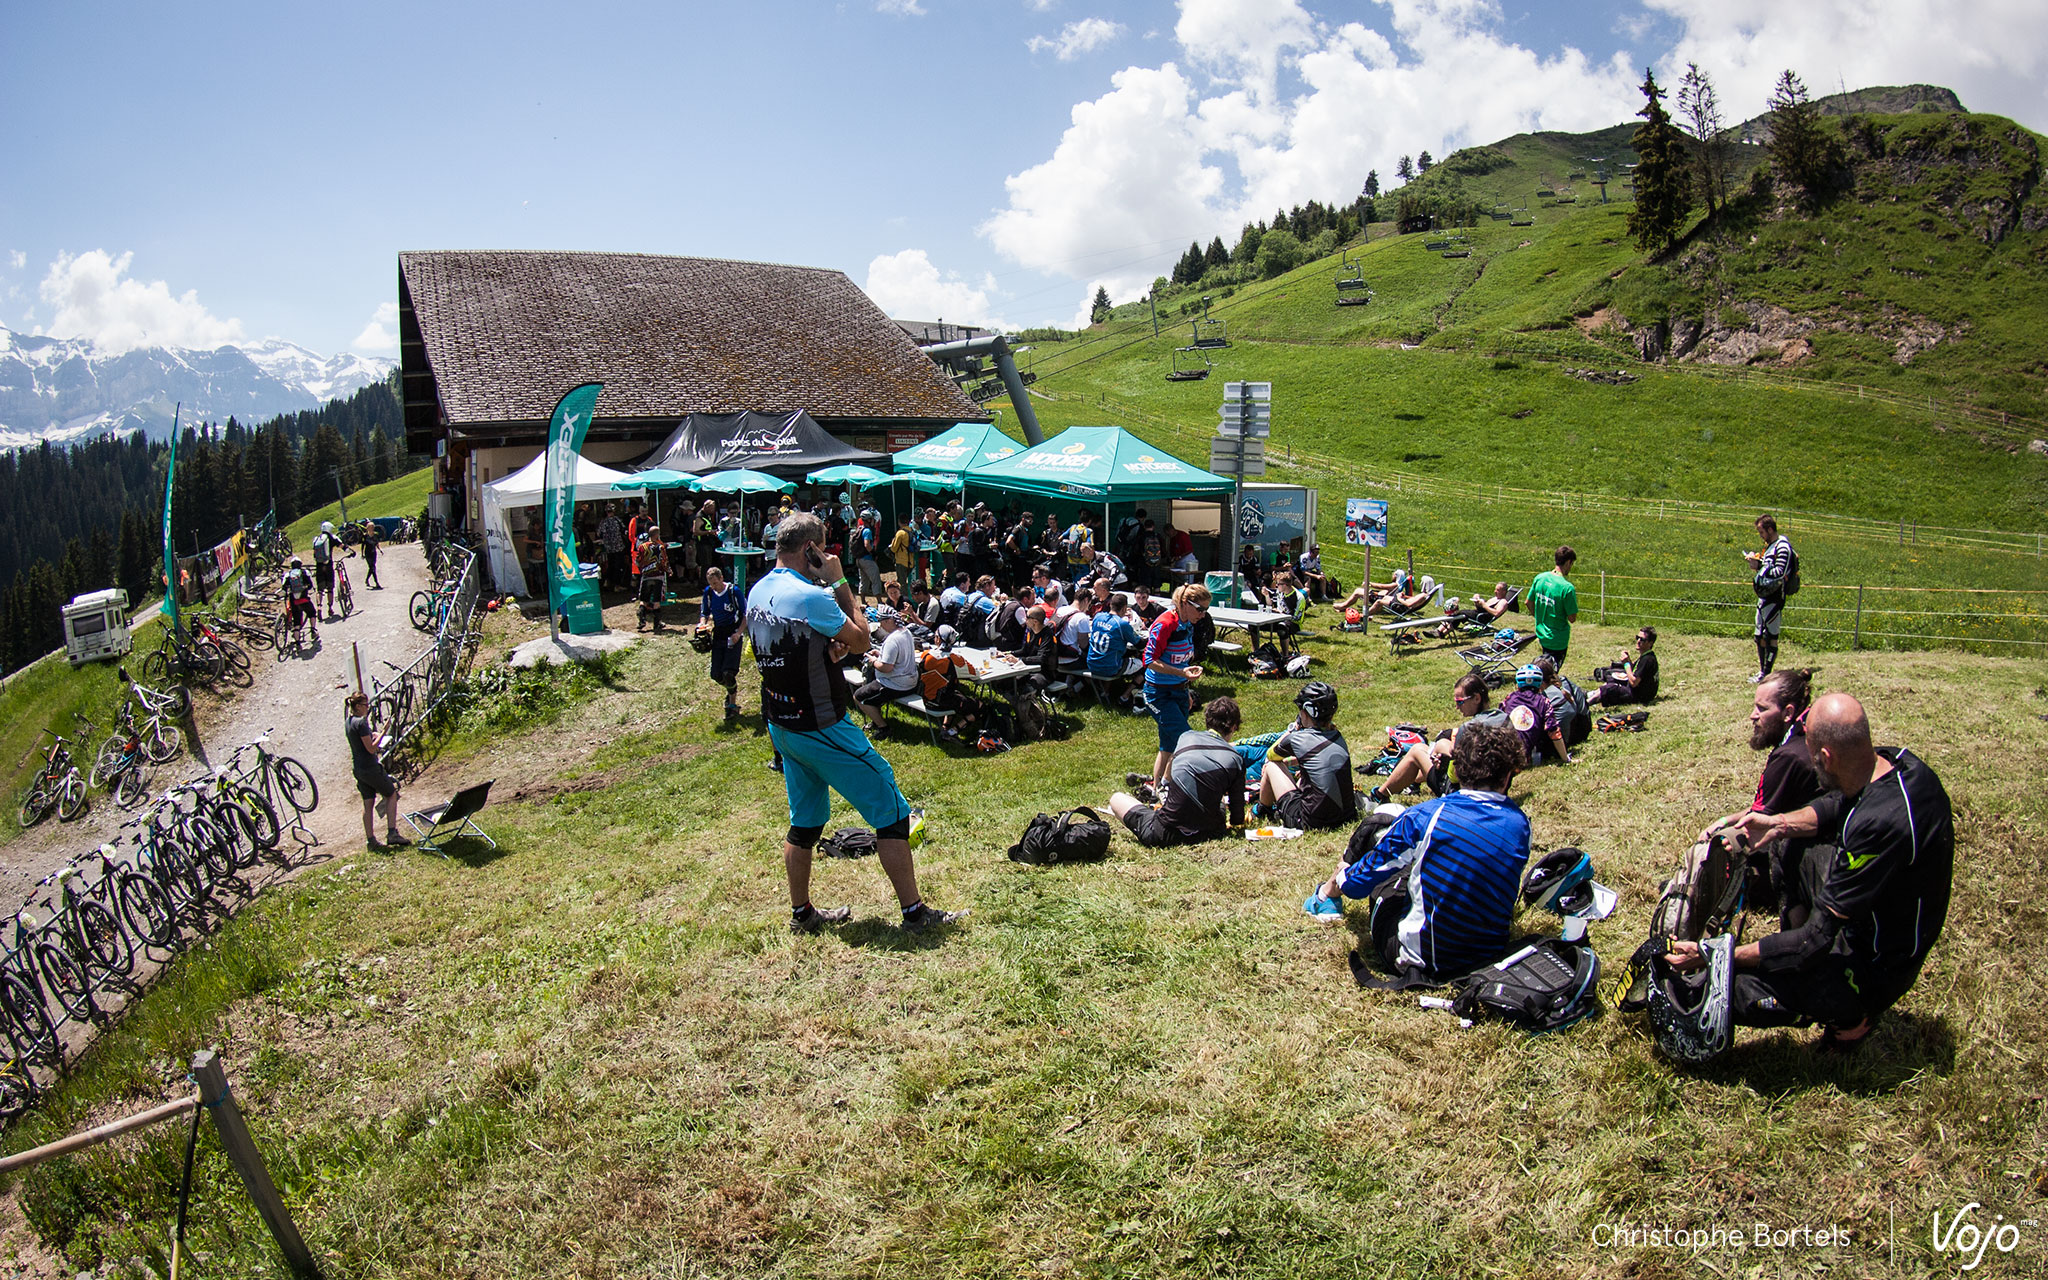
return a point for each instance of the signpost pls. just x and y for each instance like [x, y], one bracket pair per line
[1239, 449]
[1365, 525]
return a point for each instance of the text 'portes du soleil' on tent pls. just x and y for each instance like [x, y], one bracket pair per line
[782, 444]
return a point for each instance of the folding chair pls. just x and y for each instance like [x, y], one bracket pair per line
[444, 822]
[1493, 660]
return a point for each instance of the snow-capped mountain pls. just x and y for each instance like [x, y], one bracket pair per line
[65, 389]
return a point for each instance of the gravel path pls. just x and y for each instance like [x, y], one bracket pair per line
[296, 701]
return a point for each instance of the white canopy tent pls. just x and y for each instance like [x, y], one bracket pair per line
[523, 488]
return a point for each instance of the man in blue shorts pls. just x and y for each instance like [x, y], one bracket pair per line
[802, 619]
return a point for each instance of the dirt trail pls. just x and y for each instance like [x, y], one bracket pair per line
[297, 701]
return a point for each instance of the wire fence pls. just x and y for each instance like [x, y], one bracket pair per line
[1827, 615]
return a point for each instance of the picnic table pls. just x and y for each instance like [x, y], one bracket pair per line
[1250, 621]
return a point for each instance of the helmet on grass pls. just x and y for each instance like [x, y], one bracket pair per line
[1556, 877]
[1318, 699]
[1691, 1016]
[1528, 676]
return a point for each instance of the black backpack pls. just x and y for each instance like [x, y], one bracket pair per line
[848, 842]
[1077, 835]
[1545, 986]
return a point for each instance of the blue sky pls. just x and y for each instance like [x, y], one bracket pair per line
[225, 172]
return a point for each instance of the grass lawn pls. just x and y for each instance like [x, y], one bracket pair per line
[599, 1052]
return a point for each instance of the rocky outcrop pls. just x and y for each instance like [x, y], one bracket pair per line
[1773, 335]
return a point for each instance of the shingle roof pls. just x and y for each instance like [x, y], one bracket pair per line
[506, 333]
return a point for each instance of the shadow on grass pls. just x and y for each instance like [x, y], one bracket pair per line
[883, 935]
[1904, 1047]
[467, 851]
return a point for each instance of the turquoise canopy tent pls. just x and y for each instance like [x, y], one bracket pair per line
[1097, 464]
[961, 451]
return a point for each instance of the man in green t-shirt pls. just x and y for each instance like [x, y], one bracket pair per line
[1555, 603]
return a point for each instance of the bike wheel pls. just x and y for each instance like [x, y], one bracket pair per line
[28, 1027]
[181, 701]
[258, 637]
[146, 910]
[207, 657]
[235, 654]
[131, 789]
[345, 599]
[106, 947]
[163, 741]
[295, 783]
[281, 636]
[106, 766]
[35, 806]
[156, 668]
[66, 981]
[17, 1089]
[70, 797]
[254, 814]
[421, 611]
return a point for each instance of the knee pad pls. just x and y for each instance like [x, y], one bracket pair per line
[897, 830]
[805, 837]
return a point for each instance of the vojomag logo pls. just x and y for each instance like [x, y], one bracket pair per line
[1969, 1237]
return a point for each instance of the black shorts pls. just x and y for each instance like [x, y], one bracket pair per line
[1155, 832]
[372, 785]
[653, 589]
[874, 693]
[1307, 809]
[324, 575]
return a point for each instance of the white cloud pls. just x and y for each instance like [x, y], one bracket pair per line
[1077, 38]
[91, 300]
[17, 259]
[908, 287]
[901, 8]
[379, 337]
[1991, 52]
[1142, 170]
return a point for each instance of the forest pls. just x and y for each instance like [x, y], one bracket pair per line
[81, 518]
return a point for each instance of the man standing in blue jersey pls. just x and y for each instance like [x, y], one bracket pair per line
[802, 619]
[1459, 860]
[1554, 602]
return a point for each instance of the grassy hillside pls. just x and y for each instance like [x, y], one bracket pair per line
[405, 496]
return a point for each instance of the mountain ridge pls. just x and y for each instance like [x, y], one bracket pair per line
[65, 390]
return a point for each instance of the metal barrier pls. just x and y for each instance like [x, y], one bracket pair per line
[402, 705]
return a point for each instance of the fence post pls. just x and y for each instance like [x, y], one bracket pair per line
[248, 1161]
[1603, 597]
[1902, 531]
[1856, 640]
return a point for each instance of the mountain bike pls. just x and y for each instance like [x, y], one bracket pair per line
[182, 657]
[57, 785]
[48, 969]
[119, 768]
[344, 595]
[85, 926]
[279, 779]
[174, 702]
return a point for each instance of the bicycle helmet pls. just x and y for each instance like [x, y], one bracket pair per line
[1528, 676]
[1557, 875]
[700, 639]
[327, 526]
[298, 563]
[1319, 700]
[1353, 617]
[1691, 1016]
[947, 638]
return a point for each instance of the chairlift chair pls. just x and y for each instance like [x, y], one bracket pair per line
[1352, 290]
[1209, 335]
[1189, 365]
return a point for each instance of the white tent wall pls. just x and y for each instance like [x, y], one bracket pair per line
[523, 488]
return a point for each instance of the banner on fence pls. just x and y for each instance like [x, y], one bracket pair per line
[1365, 522]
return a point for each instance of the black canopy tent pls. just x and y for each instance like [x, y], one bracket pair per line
[785, 445]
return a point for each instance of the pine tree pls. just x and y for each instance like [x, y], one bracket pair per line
[1098, 311]
[1218, 256]
[1423, 163]
[135, 558]
[1701, 110]
[380, 456]
[1802, 152]
[1405, 170]
[1372, 184]
[1663, 179]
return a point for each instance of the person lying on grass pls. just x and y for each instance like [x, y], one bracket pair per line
[1861, 910]
[1316, 792]
[1432, 762]
[1449, 870]
[1204, 791]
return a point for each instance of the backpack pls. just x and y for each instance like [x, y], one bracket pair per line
[1076, 835]
[1792, 574]
[1367, 834]
[1575, 712]
[1400, 738]
[848, 842]
[1545, 986]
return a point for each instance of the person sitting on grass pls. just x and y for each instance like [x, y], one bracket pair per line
[896, 670]
[1203, 796]
[1317, 791]
[1432, 762]
[1636, 680]
[1458, 863]
[365, 751]
[1531, 715]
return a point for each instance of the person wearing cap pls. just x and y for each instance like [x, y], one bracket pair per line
[1308, 569]
[324, 543]
[802, 619]
[1448, 872]
[1317, 791]
[1532, 717]
[896, 671]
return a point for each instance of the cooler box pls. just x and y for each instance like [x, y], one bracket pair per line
[581, 612]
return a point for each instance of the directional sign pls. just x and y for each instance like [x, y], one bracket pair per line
[1224, 458]
[1257, 390]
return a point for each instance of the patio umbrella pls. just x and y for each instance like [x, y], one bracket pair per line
[849, 473]
[742, 482]
[654, 480]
